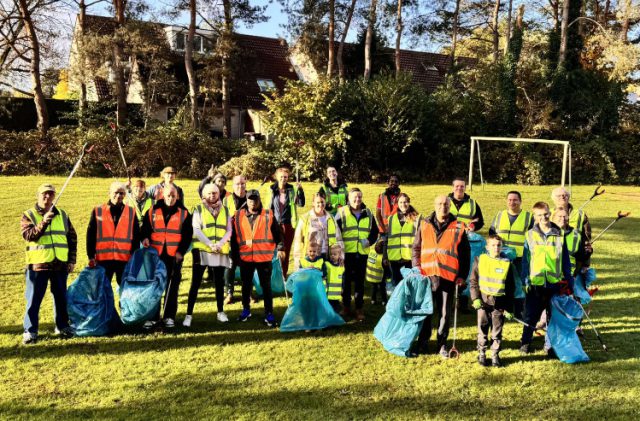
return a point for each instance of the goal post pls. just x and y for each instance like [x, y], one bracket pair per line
[566, 156]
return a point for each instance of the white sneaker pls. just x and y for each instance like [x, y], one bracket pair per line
[222, 317]
[169, 323]
[187, 321]
[149, 324]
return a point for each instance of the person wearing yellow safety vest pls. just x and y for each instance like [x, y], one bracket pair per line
[375, 273]
[283, 201]
[333, 274]
[359, 230]
[464, 208]
[51, 250]
[578, 219]
[334, 190]
[579, 250]
[545, 265]
[512, 225]
[236, 201]
[387, 203]
[492, 287]
[140, 200]
[316, 226]
[401, 231]
[212, 230]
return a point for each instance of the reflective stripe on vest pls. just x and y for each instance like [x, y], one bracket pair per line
[440, 257]
[512, 235]
[546, 258]
[572, 238]
[52, 244]
[466, 212]
[576, 219]
[336, 199]
[305, 264]
[354, 231]
[492, 275]
[148, 204]
[334, 281]
[387, 209]
[213, 228]
[167, 236]
[256, 243]
[230, 203]
[375, 271]
[331, 231]
[400, 238]
[114, 242]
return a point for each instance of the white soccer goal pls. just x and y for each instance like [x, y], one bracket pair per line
[566, 159]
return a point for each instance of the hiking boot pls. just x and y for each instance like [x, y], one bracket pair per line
[525, 349]
[443, 352]
[245, 315]
[222, 317]
[359, 315]
[169, 323]
[228, 299]
[482, 359]
[29, 338]
[495, 360]
[270, 320]
[187, 321]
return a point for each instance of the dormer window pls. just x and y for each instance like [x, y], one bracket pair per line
[266, 85]
[201, 44]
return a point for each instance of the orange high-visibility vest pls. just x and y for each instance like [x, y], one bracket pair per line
[440, 257]
[256, 243]
[386, 210]
[114, 242]
[168, 235]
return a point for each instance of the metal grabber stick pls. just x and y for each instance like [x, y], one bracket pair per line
[73, 171]
[619, 217]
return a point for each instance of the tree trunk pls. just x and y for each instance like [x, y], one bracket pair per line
[555, 12]
[454, 35]
[38, 95]
[369, 40]
[118, 52]
[226, 91]
[624, 32]
[605, 14]
[508, 34]
[564, 32]
[332, 26]
[342, 39]
[188, 64]
[82, 101]
[496, 33]
[399, 27]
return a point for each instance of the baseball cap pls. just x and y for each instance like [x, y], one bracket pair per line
[46, 187]
[253, 194]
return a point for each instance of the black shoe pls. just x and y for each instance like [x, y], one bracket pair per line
[482, 359]
[551, 354]
[525, 349]
[495, 360]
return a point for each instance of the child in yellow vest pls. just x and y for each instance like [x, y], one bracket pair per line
[492, 290]
[333, 273]
[376, 273]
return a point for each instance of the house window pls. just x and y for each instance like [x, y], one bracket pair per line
[180, 39]
[266, 85]
[197, 43]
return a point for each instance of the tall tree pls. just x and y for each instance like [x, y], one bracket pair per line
[188, 64]
[369, 39]
[332, 30]
[227, 33]
[343, 37]
[399, 28]
[119, 8]
[495, 30]
[454, 34]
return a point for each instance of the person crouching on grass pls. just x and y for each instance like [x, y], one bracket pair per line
[492, 290]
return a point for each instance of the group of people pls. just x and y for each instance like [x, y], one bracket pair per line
[349, 242]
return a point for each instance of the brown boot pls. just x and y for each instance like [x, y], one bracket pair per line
[359, 315]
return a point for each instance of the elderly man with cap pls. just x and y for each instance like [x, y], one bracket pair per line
[51, 249]
[168, 175]
[113, 233]
[256, 237]
[441, 250]
[234, 202]
[167, 228]
[577, 218]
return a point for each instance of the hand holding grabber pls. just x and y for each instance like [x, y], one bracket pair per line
[597, 192]
[620, 216]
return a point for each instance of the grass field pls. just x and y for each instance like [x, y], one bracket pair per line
[245, 371]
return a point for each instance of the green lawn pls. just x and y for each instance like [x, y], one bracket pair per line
[246, 371]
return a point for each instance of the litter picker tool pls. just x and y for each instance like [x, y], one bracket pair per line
[523, 323]
[597, 192]
[73, 171]
[284, 282]
[619, 217]
[453, 352]
[593, 327]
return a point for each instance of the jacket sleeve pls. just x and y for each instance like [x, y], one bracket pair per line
[186, 235]
[147, 229]
[493, 228]
[235, 248]
[478, 225]
[586, 229]
[30, 231]
[417, 245]
[72, 243]
[464, 257]
[278, 237]
[373, 234]
[92, 230]
[474, 286]
[524, 270]
[298, 241]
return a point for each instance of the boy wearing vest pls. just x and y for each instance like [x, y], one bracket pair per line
[113, 234]
[334, 271]
[545, 264]
[51, 255]
[375, 273]
[492, 289]
[313, 259]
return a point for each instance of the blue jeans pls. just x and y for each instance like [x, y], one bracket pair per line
[35, 290]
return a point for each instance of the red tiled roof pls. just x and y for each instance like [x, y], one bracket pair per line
[103, 89]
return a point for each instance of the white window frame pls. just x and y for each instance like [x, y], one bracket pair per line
[270, 84]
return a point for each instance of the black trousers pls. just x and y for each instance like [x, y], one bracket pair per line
[396, 276]
[538, 299]
[174, 276]
[355, 267]
[113, 267]
[196, 280]
[264, 275]
[229, 278]
[379, 290]
[443, 298]
[489, 315]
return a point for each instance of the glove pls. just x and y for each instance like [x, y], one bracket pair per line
[507, 315]
[92, 263]
[477, 304]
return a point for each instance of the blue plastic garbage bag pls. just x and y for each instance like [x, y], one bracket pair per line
[277, 280]
[561, 332]
[582, 282]
[478, 247]
[310, 309]
[409, 305]
[143, 283]
[90, 304]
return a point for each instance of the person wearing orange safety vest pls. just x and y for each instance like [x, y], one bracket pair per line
[167, 228]
[387, 203]
[441, 251]
[256, 238]
[113, 233]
